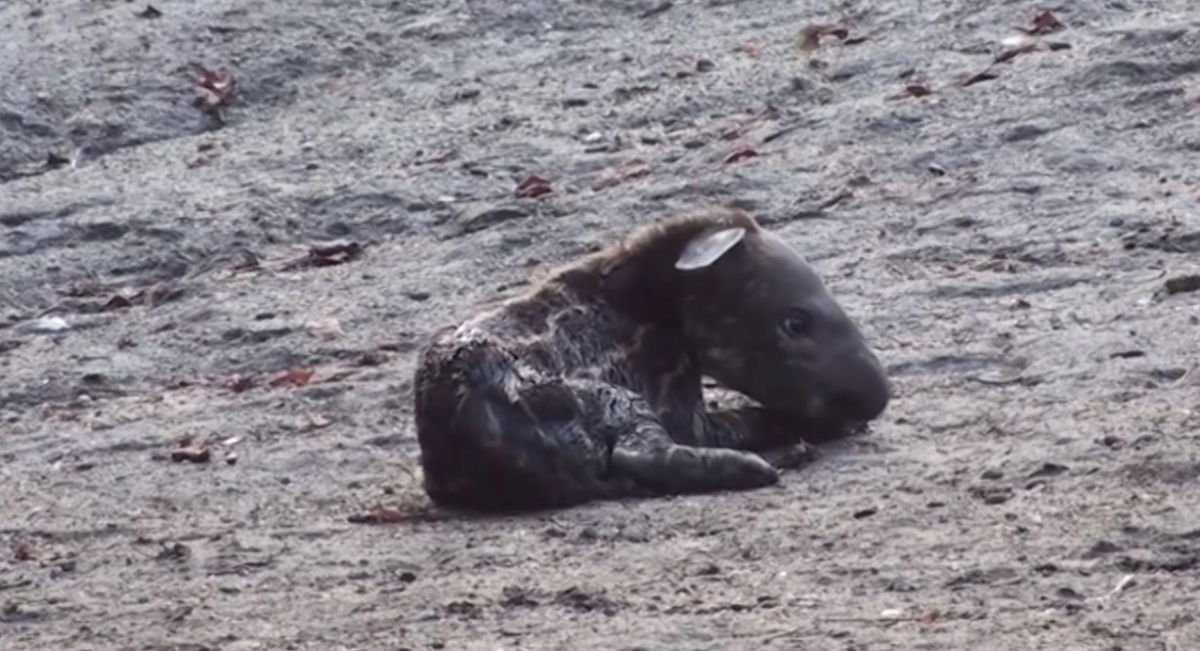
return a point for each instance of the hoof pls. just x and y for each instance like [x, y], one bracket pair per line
[759, 472]
[793, 456]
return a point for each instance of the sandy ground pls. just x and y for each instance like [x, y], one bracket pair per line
[1007, 246]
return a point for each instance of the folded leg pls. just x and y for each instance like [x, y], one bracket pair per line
[775, 437]
[644, 451]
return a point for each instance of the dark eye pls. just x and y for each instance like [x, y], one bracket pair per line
[796, 323]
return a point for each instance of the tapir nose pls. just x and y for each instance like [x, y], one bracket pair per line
[865, 390]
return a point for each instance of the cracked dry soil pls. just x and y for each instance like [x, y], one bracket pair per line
[1006, 244]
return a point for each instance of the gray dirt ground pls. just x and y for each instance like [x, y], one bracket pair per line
[1004, 244]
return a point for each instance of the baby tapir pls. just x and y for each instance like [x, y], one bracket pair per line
[589, 385]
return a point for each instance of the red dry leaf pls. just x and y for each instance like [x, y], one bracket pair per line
[630, 169]
[215, 88]
[380, 516]
[23, 552]
[326, 254]
[199, 453]
[916, 90]
[438, 158]
[740, 155]
[117, 302]
[533, 186]
[810, 36]
[293, 377]
[242, 383]
[192, 448]
[986, 75]
[386, 515]
[751, 48]
[1013, 52]
[338, 252]
[1044, 22]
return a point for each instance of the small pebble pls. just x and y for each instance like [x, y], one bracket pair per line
[49, 324]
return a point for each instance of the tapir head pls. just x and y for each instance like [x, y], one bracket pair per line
[759, 321]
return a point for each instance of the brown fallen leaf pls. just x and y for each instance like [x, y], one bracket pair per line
[533, 186]
[1014, 47]
[986, 75]
[327, 328]
[325, 254]
[242, 383]
[293, 377]
[371, 358]
[215, 89]
[740, 155]
[1181, 284]
[388, 515]
[750, 48]
[117, 302]
[23, 551]
[193, 449]
[810, 37]
[55, 161]
[1044, 22]
[916, 90]
[629, 169]
[439, 158]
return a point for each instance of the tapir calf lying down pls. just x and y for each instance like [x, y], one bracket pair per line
[589, 385]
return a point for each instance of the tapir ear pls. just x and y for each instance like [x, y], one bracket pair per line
[708, 247]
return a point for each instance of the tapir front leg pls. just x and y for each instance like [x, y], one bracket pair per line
[645, 452]
[757, 430]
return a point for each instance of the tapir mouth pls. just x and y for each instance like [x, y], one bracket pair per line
[824, 429]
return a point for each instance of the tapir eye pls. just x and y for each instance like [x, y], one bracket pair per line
[796, 323]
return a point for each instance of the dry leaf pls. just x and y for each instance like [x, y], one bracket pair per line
[117, 302]
[293, 377]
[1044, 22]
[439, 158]
[1014, 47]
[385, 515]
[751, 48]
[740, 155]
[810, 37]
[328, 328]
[326, 254]
[630, 169]
[215, 89]
[193, 449]
[242, 383]
[986, 75]
[23, 552]
[533, 186]
[916, 90]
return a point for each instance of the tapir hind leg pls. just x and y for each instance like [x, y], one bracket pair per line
[755, 429]
[679, 469]
[644, 451]
[526, 448]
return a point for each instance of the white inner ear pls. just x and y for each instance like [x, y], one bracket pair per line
[708, 248]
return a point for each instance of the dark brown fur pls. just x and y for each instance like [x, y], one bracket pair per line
[588, 385]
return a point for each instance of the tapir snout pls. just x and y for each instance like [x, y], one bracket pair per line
[859, 389]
